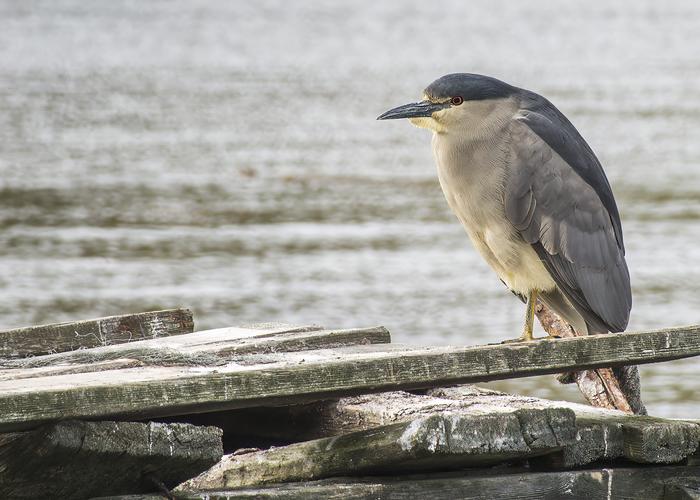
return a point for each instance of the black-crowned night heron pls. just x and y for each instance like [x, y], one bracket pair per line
[531, 195]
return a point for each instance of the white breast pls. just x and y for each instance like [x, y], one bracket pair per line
[472, 175]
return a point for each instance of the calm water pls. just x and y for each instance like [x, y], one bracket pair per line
[225, 157]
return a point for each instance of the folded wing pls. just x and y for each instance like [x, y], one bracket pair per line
[560, 201]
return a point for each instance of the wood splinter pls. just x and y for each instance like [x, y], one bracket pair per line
[600, 387]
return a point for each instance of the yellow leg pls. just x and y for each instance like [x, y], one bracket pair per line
[530, 316]
[529, 320]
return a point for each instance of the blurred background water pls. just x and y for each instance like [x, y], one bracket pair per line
[225, 156]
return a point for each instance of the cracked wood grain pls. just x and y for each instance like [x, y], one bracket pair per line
[61, 337]
[439, 441]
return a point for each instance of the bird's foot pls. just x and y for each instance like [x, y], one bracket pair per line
[522, 338]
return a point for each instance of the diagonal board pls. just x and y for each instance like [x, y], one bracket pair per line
[204, 348]
[208, 347]
[437, 441]
[601, 434]
[285, 378]
[59, 337]
[399, 432]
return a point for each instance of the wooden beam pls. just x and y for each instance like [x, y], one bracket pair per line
[208, 347]
[73, 459]
[61, 337]
[438, 441]
[602, 435]
[287, 378]
[649, 483]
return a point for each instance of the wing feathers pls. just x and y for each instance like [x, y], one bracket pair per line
[563, 217]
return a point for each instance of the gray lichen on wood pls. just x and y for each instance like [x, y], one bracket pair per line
[602, 434]
[61, 337]
[439, 441]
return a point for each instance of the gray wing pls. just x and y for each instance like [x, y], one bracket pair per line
[561, 213]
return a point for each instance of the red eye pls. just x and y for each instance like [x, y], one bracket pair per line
[456, 100]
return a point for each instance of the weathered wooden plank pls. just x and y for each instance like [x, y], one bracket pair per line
[439, 441]
[656, 440]
[648, 483]
[208, 347]
[74, 459]
[60, 337]
[286, 378]
[602, 435]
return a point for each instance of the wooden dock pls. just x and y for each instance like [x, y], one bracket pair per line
[142, 406]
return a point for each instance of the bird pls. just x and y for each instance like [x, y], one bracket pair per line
[532, 197]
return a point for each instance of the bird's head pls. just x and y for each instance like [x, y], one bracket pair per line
[455, 99]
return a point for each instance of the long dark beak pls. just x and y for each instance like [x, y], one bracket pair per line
[413, 110]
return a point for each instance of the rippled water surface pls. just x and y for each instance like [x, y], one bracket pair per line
[225, 156]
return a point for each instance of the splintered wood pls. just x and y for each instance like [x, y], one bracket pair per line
[600, 387]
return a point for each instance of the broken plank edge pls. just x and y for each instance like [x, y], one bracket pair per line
[69, 336]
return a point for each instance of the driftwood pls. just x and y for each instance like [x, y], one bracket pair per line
[294, 377]
[648, 483]
[600, 387]
[60, 337]
[81, 459]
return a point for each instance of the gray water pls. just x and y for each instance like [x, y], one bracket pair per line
[225, 156]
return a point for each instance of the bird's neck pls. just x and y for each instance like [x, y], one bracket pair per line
[476, 153]
[476, 143]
